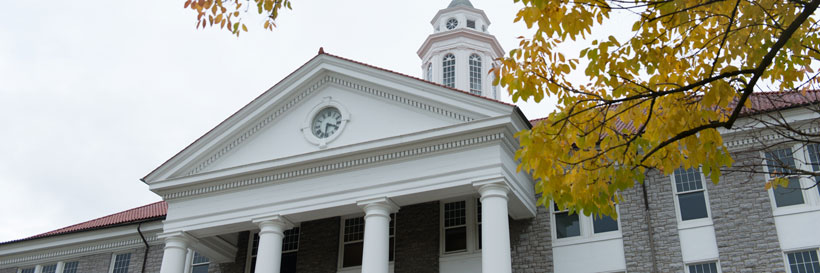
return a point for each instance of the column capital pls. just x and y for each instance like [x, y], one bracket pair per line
[378, 204]
[493, 188]
[177, 239]
[273, 222]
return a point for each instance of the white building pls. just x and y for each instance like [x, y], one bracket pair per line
[346, 167]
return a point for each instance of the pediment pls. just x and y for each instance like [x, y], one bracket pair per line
[378, 104]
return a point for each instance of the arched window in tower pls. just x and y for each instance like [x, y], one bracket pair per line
[475, 74]
[429, 75]
[448, 70]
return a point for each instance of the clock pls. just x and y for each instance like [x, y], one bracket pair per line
[452, 23]
[326, 122]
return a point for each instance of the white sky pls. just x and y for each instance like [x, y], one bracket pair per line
[96, 94]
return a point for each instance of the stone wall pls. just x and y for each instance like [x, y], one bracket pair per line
[417, 239]
[531, 243]
[318, 246]
[661, 216]
[744, 225]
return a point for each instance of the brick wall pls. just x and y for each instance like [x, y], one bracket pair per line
[531, 243]
[318, 246]
[744, 225]
[664, 227]
[417, 239]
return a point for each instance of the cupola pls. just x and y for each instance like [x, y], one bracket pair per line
[460, 52]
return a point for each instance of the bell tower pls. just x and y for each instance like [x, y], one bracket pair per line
[461, 51]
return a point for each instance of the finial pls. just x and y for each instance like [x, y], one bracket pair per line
[321, 50]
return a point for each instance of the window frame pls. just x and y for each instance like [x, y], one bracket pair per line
[471, 224]
[786, 257]
[587, 231]
[444, 70]
[691, 223]
[429, 72]
[474, 62]
[114, 260]
[193, 264]
[340, 259]
[811, 199]
[716, 262]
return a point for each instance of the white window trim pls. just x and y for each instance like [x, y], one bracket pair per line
[470, 205]
[693, 223]
[340, 258]
[114, 259]
[39, 267]
[786, 256]
[717, 263]
[587, 232]
[811, 200]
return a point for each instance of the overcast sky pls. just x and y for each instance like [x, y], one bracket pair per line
[96, 94]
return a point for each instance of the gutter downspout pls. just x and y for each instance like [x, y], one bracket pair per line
[648, 218]
[145, 254]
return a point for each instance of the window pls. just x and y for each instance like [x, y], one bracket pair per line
[814, 159]
[803, 262]
[120, 263]
[566, 224]
[429, 75]
[27, 270]
[710, 267]
[575, 225]
[475, 74]
[471, 24]
[290, 246]
[70, 267]
[200, 263]
[52, 268]
[690, 194]
[780, 163]
[461, 226]
[353, 240]
[455, 226]
[448, 66]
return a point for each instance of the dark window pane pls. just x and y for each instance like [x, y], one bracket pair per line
[692, 206]
[804, 262]
[455, 239]
[391, 249]
[200, 268]
[567, 225]
[253, 264]
[352, 254]
[687, 179]
[49, 269]
[604, 223]
[121, 263]
[703, 268]
[70, 267]
[27, 270]
[479, 236]
[814, 158]
[791, 195]
[288, 262]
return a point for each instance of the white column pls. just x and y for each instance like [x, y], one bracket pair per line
[376, 253]
[495, 228]
[176, 249]
[271, 234]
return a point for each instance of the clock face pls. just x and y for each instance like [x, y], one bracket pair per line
[326, 122]
[452, 23]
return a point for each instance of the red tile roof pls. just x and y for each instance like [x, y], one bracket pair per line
[150, 212]
[762, 102]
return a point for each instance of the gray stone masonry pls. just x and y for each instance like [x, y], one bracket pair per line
[9, 270]
[531, 243]
[636, 231]
[417, 239]
[744, 225]
[318, 246]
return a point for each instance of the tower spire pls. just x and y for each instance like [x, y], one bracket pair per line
[460, 3]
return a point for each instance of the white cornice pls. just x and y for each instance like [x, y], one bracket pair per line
[371, 158]
[498, 51]
[457, 8]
